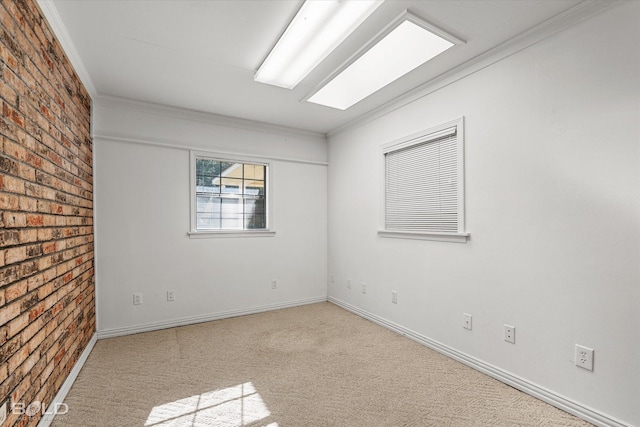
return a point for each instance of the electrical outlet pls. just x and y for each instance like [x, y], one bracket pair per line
[466, 321]
[3, 412]
[510, 333]
[333, 278]
[274, 284]
[171, 296]
[348, 283]
[584, 357]
[364, 287]
[394, 297]
[137, 298]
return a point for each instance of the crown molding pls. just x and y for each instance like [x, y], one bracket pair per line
[201, 116]
[58, 28]
[528, 38]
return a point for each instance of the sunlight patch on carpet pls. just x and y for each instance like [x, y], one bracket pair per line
[235, 406]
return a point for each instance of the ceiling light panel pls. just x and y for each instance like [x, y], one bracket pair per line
[408, 45]
[316, 30]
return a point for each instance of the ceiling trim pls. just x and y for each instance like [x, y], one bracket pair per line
[58, 28]
[542, 31]
[175, 146]
[200, 116]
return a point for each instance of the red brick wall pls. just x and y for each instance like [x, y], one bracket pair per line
[47, 299]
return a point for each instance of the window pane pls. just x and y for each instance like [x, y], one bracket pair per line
[421, 185]
[207, 167]
[254, 172]
[231, 185]
[232, 210]
[231, 207]
[206, 203]
[231, 170]
[206, 171]
[255, 221]
[208, 221]
[230, 195]
[253, 187]
[232, 222]
[254, 206]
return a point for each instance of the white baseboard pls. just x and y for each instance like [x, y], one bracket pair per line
[47, 418]
[521, 384]
[129, 330]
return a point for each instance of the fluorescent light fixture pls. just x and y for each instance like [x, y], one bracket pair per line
[409, 43]
[316, 30]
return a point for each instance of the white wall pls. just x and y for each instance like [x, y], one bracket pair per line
[552, 205]
[142, 220]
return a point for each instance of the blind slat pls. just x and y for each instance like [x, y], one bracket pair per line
[421, 185]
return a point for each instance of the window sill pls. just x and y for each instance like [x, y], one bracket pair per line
[416, 235]
[230, 233]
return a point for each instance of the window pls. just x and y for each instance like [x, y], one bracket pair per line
[228, 195]
[423, 185]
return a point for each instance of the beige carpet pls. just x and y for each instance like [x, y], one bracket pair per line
[316, 365]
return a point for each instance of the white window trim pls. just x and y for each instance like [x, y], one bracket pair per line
[209, 234]
[461, 235]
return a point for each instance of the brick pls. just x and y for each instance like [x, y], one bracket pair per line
[28, 301]
[26, 172]
[35, 374]
[34, 334]
[14, 219]
[13, 185]
[33, 251]
[28, 235]
[44, 234]
[15, 150]
[60, 245]
[4, 372]
[17, 324]
[47, 297]
[36, 282]
[30, 362]
[48, 247]
[15, 290]
[19, 392]
[34, 160]
[27, 204]
[9, 348]
[56, 208]
[18, 357]
[28, 268]
[36, 311]
[14, 255]
[13, 115]
[8, 165]
[46, 373]
[8, 275]
[58, 357]
[34, 220]
[9, 312]
[9, 237]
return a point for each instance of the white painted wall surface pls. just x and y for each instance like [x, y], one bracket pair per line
[552, 205]
[142, 220]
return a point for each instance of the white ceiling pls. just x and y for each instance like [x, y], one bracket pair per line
[202, 55]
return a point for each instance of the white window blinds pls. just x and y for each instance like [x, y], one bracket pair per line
[422, 184]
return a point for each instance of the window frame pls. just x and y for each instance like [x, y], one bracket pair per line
[460, 236]
[194, 233]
